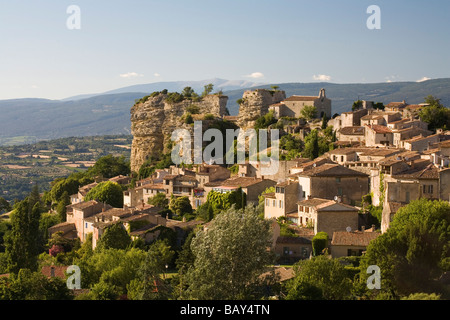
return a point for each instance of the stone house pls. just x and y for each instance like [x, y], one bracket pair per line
[292, 249]
[254, 169]
[330, 181]
[378, 136]
[421, 143]
[351, 118]
[78, 213]
[252, 187]
[353, 243]
[326, 215]
[293, 106]
[401, 136]
[281, 202]
[380, 118]
[351, 134]
[421, 180]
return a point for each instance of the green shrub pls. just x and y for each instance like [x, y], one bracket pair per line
[319, 243]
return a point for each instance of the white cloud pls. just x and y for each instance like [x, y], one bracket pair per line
[34, 86]
[131, 75]
[423, 79]
[156, 74]
[255, 75]
[321, 77]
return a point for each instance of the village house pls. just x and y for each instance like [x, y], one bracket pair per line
[351, 243]
[420, 179]
[281, 202]
[293, 106]
[330, 181]
[289, 250]
[401, 136]
[351, 118]
[252, 187]
[326, 215]
[378, 136]
[352, 134]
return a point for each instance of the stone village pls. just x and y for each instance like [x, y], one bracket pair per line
[388, 154]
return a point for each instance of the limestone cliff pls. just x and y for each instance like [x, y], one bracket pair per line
[154, 120]
[255, 103]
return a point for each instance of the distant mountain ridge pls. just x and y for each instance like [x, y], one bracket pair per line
[109, 113]
[177, 86]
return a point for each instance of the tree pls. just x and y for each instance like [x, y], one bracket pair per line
[230, 256]
[358, 104]
[159, 200]
[148, 285]
[311, 149]
[107, 191]
[324, 121]
[415, 249]
[208, 89]
[435, 114]
[27, 285]
[319, 243]
[4, 205]
[180, 206]
[23, 240]
[309, 112]
[115, 237]
[61, 207]
[69, 186]
[110, 166]
[319, 278]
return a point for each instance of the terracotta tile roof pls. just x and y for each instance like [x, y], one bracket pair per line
[331, 170]
[372, 117]
[170, 176]
[313, 202]
[380, 129]
[58, 271]
[419, 171]
[240, 182]
[301, 98]
[355, 131]
[356, 238]
[84, 205]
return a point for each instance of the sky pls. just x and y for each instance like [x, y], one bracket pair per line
[49, 51]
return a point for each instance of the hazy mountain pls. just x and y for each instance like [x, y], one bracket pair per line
[178, 86]
[110, 113]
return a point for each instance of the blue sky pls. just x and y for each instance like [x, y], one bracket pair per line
[123, 43]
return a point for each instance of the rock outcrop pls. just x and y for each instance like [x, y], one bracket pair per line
[255, 103]
[154, 120]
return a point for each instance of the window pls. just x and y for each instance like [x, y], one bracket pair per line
[274, 203]
[427, 188]
[303, 194]
[281, 204]
[339, 191]
[338, 179]
[267, 203]
[307, 211]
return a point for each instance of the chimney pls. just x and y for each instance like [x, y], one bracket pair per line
[363, 228]
[373, 228]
